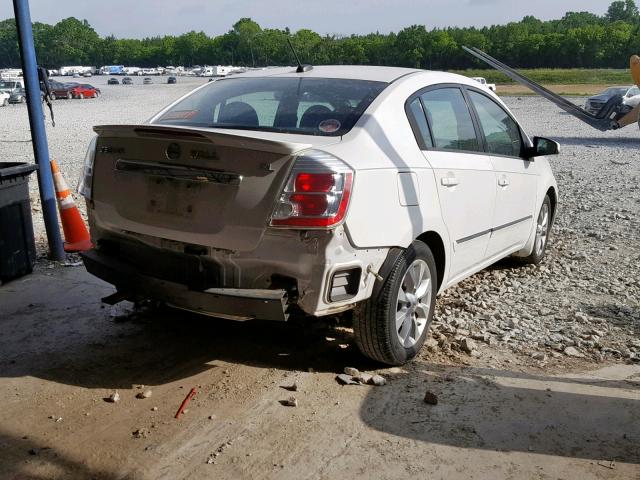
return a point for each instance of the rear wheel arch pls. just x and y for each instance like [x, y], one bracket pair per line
[434, 241]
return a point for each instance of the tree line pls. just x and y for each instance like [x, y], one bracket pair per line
[577, 40]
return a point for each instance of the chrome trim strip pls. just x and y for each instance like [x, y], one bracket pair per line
[491, 230]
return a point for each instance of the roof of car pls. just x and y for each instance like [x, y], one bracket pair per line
[356, 72]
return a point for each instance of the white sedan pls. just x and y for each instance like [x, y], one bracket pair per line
[315, 192]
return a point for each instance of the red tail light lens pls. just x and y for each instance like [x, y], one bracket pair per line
[314, 182]
[316, 194]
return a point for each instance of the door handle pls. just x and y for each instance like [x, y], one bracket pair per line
[503, 181]
[449, 181]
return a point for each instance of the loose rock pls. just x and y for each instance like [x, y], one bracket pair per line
[113, 398]
[430, 398]
[145, 394]
[290, 402]
[377, 380]
[354, 372]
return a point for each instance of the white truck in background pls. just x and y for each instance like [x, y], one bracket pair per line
[483, 81]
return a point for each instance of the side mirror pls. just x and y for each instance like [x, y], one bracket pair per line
[542, 147]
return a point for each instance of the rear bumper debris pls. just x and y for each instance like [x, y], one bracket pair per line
[229, 303]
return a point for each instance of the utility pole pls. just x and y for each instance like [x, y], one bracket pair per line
[38, 132]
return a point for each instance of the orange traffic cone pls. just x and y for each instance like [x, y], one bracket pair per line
[76, 235]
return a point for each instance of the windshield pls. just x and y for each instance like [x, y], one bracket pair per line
[633, 92]
[8, 84]
[309, 106]
[615, 91]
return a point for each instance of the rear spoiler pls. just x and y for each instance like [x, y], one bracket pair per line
[602, 124]
[249, 141]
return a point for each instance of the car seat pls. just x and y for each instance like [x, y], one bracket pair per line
[238, 113]
[314, 115]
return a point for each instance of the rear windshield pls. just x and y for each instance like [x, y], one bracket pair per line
[309, 106]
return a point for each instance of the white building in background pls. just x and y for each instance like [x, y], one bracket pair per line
[219, 70]
[76, 69]
[7, 73]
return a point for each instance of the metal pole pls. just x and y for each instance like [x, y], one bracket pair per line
[38, 132]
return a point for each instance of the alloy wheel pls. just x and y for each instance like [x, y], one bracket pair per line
[542, 229]
[414, 300]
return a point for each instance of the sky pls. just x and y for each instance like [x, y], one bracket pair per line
[144, 18]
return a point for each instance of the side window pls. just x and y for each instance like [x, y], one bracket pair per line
[450, 120]
[500, 130]
[418, 122]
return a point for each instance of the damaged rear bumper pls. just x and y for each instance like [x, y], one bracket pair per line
[229, 303]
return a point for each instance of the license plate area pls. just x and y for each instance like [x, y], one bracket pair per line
[168, 196]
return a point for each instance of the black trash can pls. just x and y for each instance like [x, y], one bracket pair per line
[17, 245]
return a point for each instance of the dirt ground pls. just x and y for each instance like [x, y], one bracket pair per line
[62, 353]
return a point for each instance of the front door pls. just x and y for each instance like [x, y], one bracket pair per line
[516, 177]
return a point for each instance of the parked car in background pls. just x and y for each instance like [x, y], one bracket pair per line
[127, 81]
[9, 85]
[147, 81]
[4, 99]
[367, 189]
[172, 80]
[76, 75]
[20, 96]
[62, 90]
[87, 74]
[595, 103]
[113, 81]
[85, 91]
[483, 81]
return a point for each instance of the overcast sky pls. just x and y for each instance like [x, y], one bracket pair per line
[142, 18]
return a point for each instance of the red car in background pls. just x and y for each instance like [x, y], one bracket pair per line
[85, 91]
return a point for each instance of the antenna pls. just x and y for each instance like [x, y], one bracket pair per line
[301, 68]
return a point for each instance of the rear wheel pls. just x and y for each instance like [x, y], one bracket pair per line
[392, 326]
[69, 96]
[23, 99]
[81, 96]
[543, 226]
[53, 96]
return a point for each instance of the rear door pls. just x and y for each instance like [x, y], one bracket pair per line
[516, 177]
[463, 173]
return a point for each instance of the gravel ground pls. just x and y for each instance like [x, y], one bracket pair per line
[582, 302]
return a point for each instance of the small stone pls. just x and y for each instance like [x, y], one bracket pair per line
[290, 402]
[430, 398]
[468, 345]
[345, 379]
[210, 461]
[364, 378]
[377, 380]
[154, 409]
[354, 372]
[145, 394]
[573, 352]
[113, 398]
[539, 356]
[140, 433]
[211, 417]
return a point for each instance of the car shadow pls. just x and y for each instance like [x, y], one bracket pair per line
[72, 339]
[497, 410]
[26, 459]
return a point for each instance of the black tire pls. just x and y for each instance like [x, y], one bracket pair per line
[543, 229]
[374, 321]
[69, 96]
[53, 96]
[5, 102]
[81, 96]
[23, 99]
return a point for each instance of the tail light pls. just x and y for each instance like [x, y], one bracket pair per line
[85, 185]
[316, 194]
